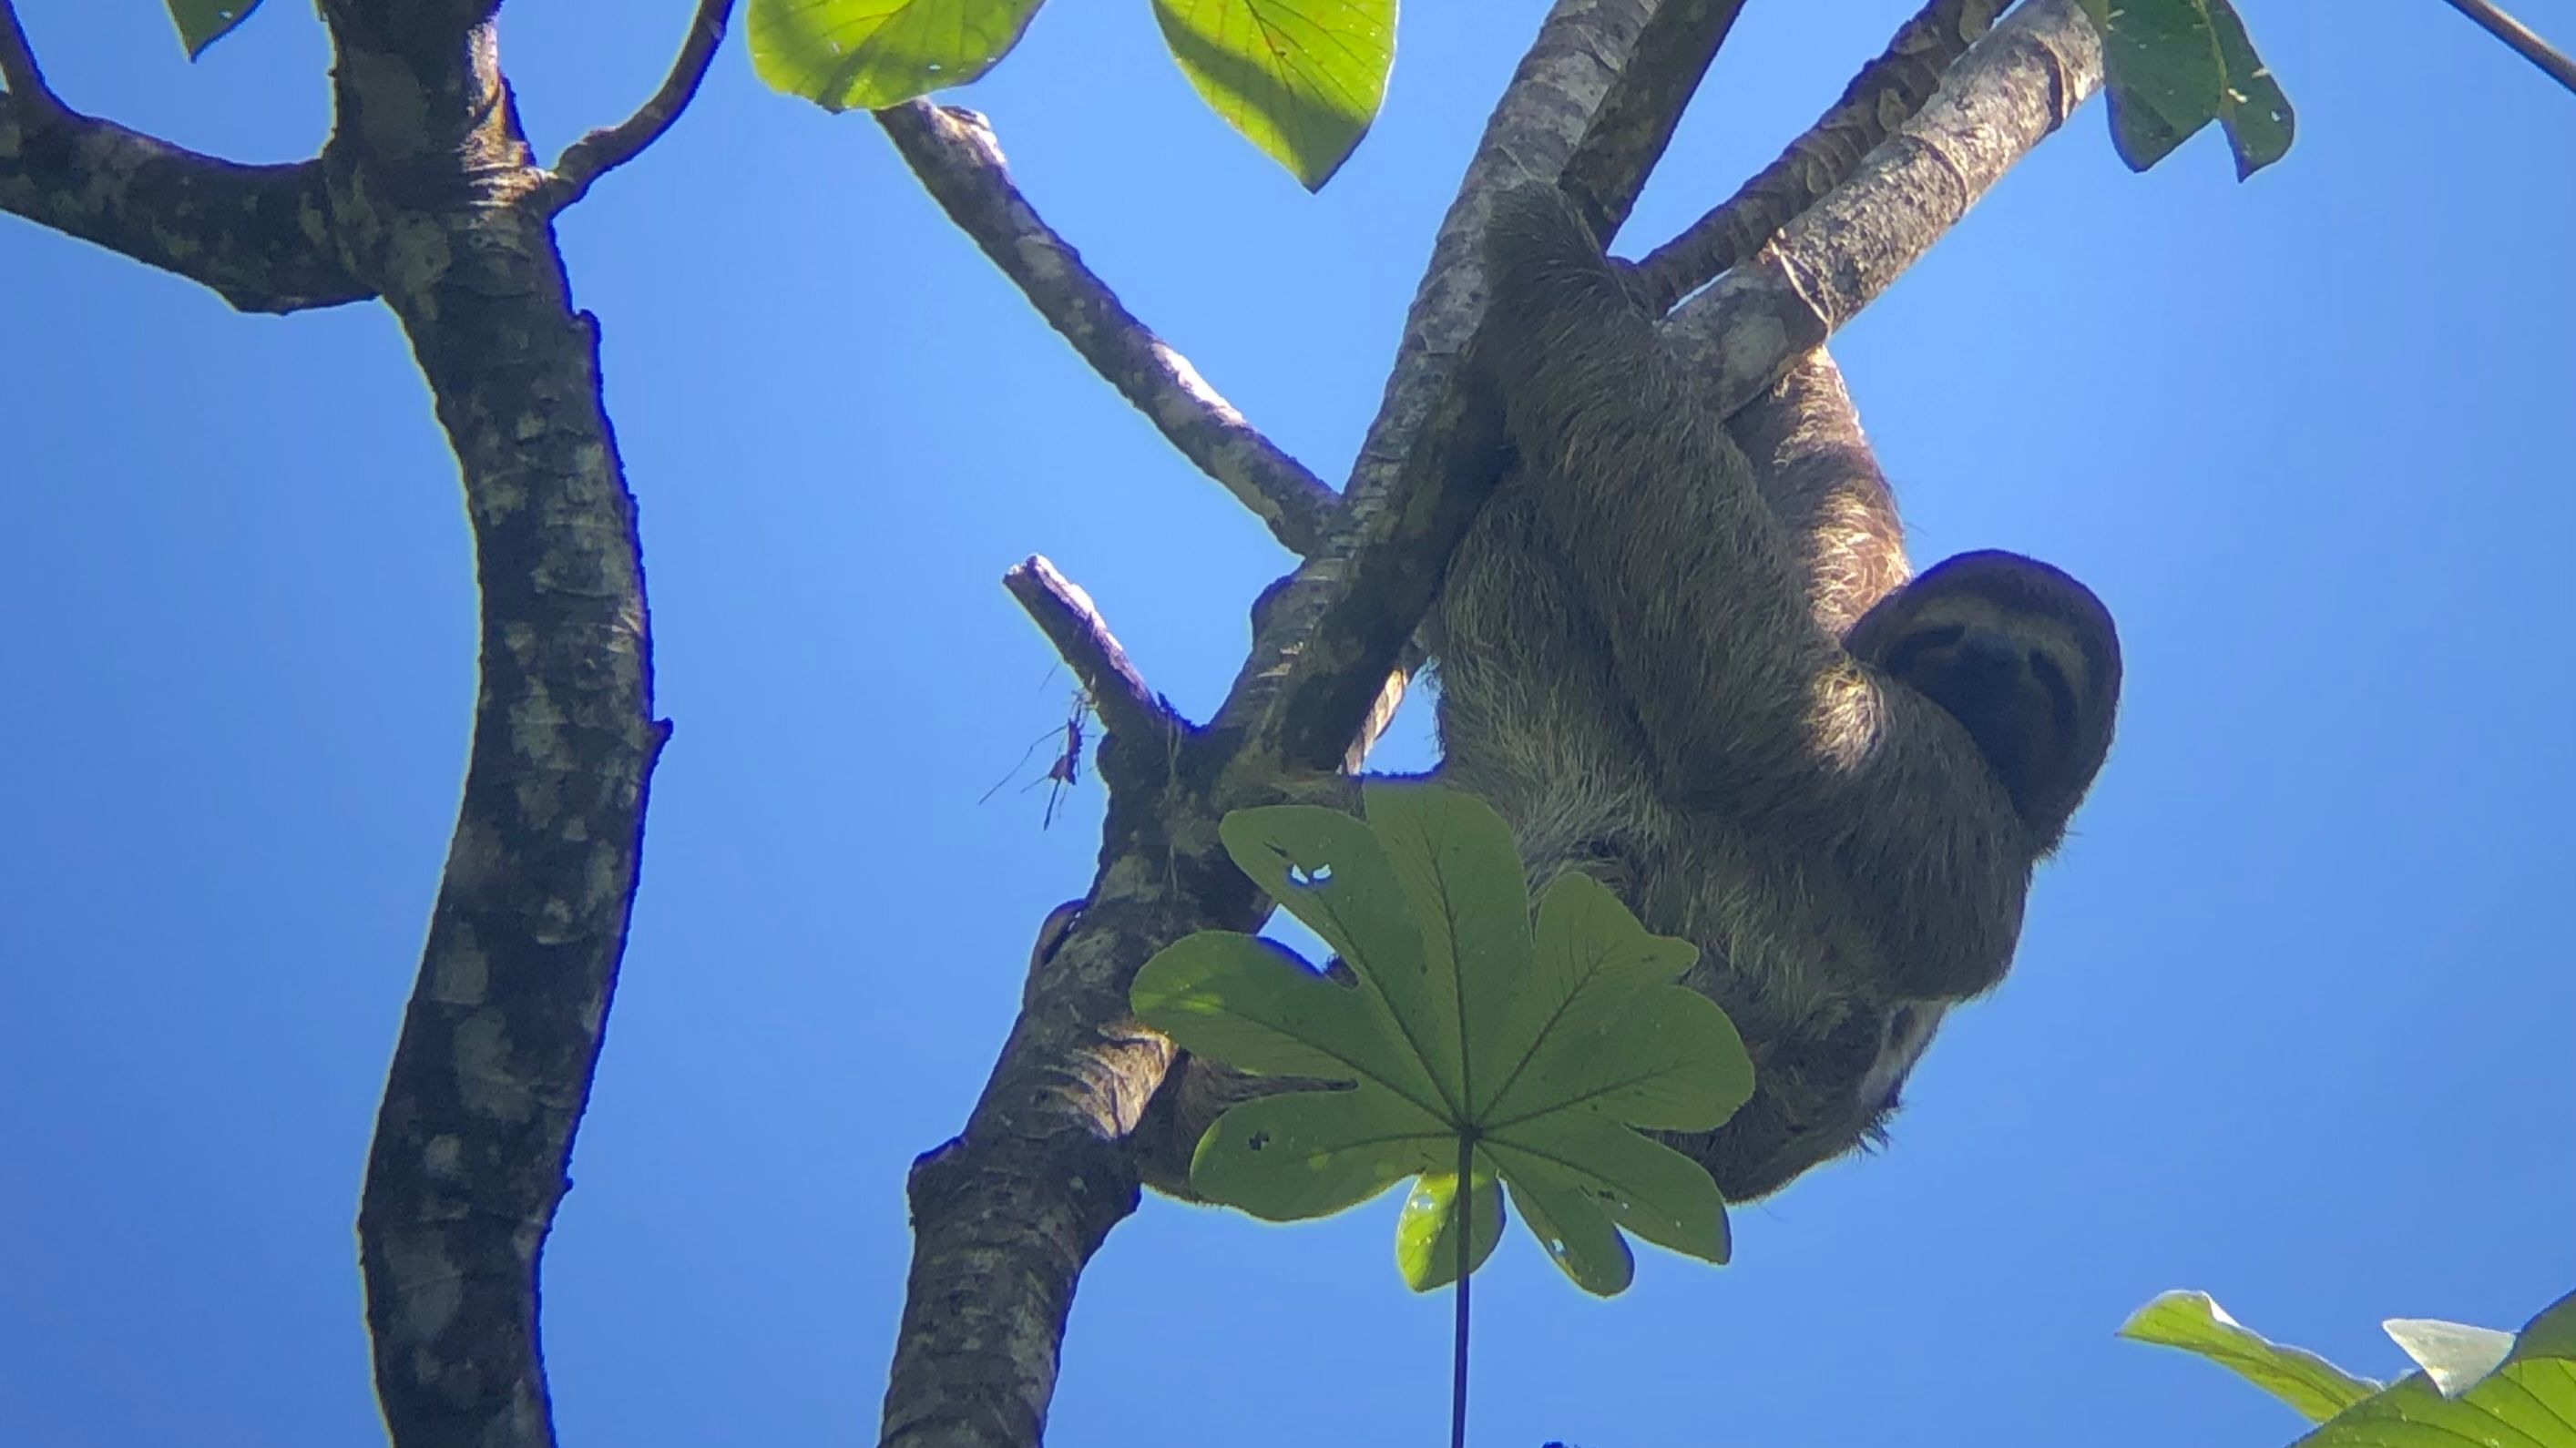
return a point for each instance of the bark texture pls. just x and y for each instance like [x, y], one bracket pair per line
[426, 197]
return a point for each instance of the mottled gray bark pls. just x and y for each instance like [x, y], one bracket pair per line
[426, 197]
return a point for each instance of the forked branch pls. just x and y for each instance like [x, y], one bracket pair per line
[1884, 95]
[2004, 97]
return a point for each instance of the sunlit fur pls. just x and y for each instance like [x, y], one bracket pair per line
[1703, 680]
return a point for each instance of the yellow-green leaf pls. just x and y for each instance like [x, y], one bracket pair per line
[869, 54]
[1301, 79]
[2194, 1322]
[1426, 1233]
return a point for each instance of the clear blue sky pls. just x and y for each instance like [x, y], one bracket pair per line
[2293, 1013]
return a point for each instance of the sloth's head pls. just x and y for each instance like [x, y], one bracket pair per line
[2022, 655]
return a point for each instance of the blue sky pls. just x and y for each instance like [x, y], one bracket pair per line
[2292, 1015]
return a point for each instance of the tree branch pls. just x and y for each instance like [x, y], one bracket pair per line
[501, 1037]
[1006, 1216]
[1069, 619]
[1886, 93]
[254, 235]
[22, 81]
[954, 153]
[2005, 96]
[603, 151]
[1591, 104]
[2522, 38]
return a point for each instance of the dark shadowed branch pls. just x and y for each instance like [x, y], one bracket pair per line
[602, 151]
[21, 78]
[954, 153]
[1884, 95]
[436, 202]
[423, 198]
[1591, 107]
[247, 233]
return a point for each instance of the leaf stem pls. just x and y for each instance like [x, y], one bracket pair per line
[1461, 1223]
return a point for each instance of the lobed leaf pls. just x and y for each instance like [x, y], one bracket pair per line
[1312, 1153]
[1254, 1005]
[1548, 1046]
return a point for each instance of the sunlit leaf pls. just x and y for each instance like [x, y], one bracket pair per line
[2476, 1389]
[2194, 1322]
[868, 54]
[1546, 1048]
[1301, 79]
[1426, 1235]
[203, 22]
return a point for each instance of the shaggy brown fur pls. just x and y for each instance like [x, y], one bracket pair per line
[1703, 678]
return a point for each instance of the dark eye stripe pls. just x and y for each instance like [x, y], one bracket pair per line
[1912, 647]
[2061, 696]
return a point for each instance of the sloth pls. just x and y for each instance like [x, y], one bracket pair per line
[1683, 656]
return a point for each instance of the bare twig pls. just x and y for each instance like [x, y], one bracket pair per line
[954, 153]
[1067, 616]
[24, 80]
[2002, 98]
[2524, 41]
[603, 151]
[1884, 95]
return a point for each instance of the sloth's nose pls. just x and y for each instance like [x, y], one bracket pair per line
[1986, 656]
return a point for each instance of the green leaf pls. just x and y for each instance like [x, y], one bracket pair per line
[2525, 1399]
[2173, 66]
[869, 54]
[203, 22]
[1312, 1153]
[1643, 1185]
[1547, 1048]
[1301, 79]
[2471, 1392]
[1601, 975]
[1577, 1233]
[1426, 1237]
[1251, 1004]
[2254, 110]
[2194, 1322]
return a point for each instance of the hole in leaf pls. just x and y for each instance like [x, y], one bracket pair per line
[1306, 879]
[1257, 1140]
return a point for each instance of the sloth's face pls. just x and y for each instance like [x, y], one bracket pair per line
[2023, 656]
[2013, 695]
